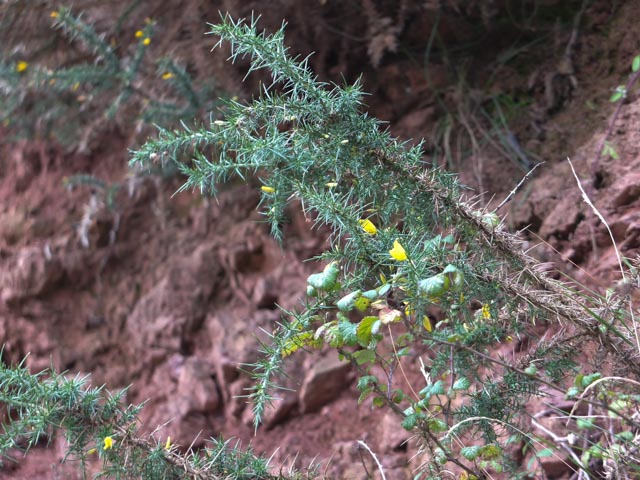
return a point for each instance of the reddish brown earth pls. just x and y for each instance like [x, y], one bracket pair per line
[176, 301]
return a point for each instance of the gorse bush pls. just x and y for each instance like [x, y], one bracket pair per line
[410, 266]
[412, 272]
[99, 79]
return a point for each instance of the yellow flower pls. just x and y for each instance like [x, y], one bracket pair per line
[426, 323]
[54, 14]
[108, 443]
[167, 75]
[139, 34]
[167, 446]
[398, 252]
[21, 66]
[267, 189]
[368, 226]
[486, 312]
[146, 41]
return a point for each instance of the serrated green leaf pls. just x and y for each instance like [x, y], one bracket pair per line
[410, 422]
[371, 294]
[470, 453]
[347, 331]
[366, 381]
[364, 356]
[462, 383]
[346, 303]
[326, 279]
[436, 388]
[436, 425]
[364, 330]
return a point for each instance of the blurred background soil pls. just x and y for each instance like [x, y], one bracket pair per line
[169, 292]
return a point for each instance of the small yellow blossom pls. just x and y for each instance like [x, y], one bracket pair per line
[368, 226]
[91, 451]
[146, 41]
[486, 312]
[167, 75]
[108, 443]
[398, 252]
[267, 189]
[139, 34]
[509, 338]
[54, 14]
[331, 184]
[21, 66]
[167, 446]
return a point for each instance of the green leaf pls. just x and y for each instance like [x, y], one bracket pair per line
[635, 64]
[379, 402]
[366, 328]
[435, 286]
[366, 381]
[364, 356]
[572, 392]
[589, 379]
[346, 303]
[471, 453]
[432, 389]
[585, 423]
[436, 425]
[625, 436]
[462, 383]
[410, 422]
[347, 331]
[327, 279]
[618, 95]
[546, 452]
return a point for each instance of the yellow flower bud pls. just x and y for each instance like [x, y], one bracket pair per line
[267, 189]
[368, 226]
[108, 443]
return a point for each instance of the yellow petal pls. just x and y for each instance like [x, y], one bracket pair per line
[332, 184]
[146, 41]
[108, 443]
[91, 451]
[54, 14]
[398, 252]
[426, 323]
[267, 189]
[139, 34]
[167, 446]
[167, 75]
[21, 66]
[486, 312]
[368, 226]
